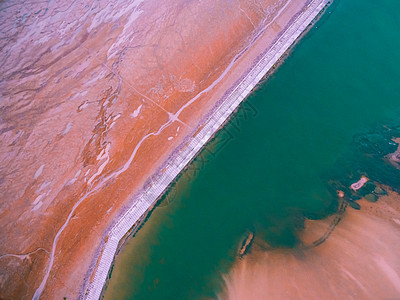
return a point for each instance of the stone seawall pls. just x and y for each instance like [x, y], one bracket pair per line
[151, 194]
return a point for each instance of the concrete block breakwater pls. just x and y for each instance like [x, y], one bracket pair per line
[151, 194]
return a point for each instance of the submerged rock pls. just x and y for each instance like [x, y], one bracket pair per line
[371, 197]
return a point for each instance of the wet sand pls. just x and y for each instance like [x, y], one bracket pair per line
[359, 260]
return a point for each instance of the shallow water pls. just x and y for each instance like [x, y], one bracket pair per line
[268, 168]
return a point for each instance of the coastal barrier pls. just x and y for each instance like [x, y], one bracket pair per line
[144, 201]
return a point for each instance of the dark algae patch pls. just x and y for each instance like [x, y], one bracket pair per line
[370, 156]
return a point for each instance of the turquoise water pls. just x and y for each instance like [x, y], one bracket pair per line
[268, 168]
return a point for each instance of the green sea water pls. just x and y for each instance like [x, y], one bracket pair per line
[268, 168]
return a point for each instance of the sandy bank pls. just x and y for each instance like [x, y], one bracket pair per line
[359, 260]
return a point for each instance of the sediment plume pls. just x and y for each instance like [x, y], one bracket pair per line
[359, 260]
